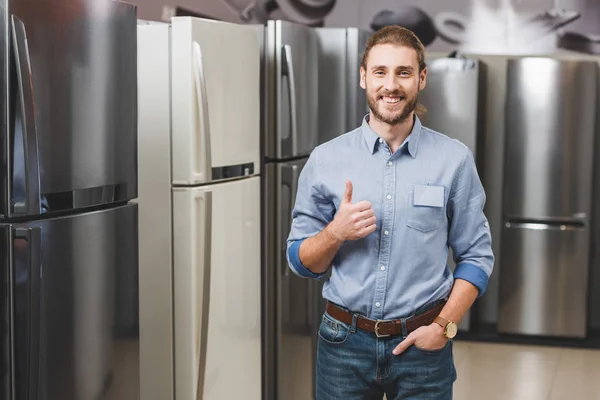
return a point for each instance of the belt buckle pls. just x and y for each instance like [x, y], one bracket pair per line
[379, 335]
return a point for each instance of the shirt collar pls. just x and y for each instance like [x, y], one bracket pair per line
[372, 138]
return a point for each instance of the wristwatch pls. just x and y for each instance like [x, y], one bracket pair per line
[450, 328]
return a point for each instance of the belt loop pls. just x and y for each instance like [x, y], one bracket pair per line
[404, 328]
[354, 323]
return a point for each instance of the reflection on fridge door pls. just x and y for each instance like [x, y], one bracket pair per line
[200, 210]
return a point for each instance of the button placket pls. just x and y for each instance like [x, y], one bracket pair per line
[387, 222]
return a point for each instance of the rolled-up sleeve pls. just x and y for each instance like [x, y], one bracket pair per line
[311, 213]
[469, 232]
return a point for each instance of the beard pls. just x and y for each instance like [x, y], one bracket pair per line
[394, 117]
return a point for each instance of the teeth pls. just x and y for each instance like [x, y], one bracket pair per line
[391, 100]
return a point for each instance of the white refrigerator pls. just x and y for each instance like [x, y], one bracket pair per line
[199, 201]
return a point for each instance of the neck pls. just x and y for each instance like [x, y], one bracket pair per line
[394, 135]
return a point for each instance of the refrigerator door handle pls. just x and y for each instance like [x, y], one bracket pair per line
[201, 156]
[288, 70]
[204, 217]
[34, 264]
[31, 205]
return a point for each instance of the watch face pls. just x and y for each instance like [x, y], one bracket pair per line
[451, 330]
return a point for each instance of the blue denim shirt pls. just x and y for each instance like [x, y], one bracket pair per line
[426, 196]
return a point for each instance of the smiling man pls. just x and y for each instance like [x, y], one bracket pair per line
[380, 206]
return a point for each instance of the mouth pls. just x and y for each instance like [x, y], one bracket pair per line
[392, 99]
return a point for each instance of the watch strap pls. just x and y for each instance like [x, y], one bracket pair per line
[441, 321]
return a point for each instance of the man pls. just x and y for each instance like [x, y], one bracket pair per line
[379, 206]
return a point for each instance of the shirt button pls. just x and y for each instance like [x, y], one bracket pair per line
[390, 163]
[485, 224]
[378, 304]
[380, 140]
[386, 233]
[382, 268]
[389, 196]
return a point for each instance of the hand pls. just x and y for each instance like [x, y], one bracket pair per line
[353, 221]
[430, 337]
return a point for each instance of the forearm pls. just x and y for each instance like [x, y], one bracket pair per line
[462, 297]
[317, 252]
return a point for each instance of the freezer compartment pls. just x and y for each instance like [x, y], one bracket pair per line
[334, 79]
[455, 100]
[339, 77]
[72, 102]
[293, 304]
[550, 128]
[75, 306]
[215, 100]
[291, 92]
[544, 280]
[217, 285]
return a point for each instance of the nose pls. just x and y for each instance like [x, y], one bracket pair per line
[391, 83]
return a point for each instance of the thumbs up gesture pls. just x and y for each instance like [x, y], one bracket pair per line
[353, 221]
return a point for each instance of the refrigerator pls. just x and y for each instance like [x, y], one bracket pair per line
[547, 204]
[343, 102]
[68, 228]
[290, 127]
[199, 202]
[455, 101]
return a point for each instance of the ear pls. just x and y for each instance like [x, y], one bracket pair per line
[363, 76]
[423, 79]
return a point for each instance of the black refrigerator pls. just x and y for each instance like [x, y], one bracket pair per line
[68, 173]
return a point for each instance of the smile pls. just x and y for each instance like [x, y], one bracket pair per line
[392, 99]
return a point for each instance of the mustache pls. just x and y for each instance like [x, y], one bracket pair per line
[394, 93]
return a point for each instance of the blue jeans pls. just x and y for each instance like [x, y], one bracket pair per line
[353, 364]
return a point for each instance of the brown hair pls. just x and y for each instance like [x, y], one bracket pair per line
[397, 35]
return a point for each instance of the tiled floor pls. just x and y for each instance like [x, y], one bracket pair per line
[513, 372]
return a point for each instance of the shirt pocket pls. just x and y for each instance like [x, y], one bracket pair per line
[426, 205]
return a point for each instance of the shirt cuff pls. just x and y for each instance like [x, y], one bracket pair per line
[296, 265]
[472, 274]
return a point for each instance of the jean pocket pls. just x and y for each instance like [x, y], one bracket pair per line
[333, 331]
[425, 216]
[435, 352]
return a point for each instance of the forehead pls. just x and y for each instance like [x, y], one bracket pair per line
[392, 55]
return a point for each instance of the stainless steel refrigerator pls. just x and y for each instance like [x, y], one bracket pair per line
[290, 112]
[550, 130]
[455, 101]
[343, 103]
[68, 232]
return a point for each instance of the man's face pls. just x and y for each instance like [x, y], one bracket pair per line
[392, 82]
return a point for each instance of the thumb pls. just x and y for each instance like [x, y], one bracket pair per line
[348, 193]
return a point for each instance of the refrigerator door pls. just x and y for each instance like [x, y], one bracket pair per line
[333, 71]
[291, 97]
[341, 51]
[356, 102]
[215, 101]
[543, 280]
[550, 127]
[75, 306]
[72, 125]
[295, 301]
[217, 285]
[454, 99]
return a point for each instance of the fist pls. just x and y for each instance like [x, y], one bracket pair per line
[353, 221]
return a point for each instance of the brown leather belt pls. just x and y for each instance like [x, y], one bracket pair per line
[388, 327]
